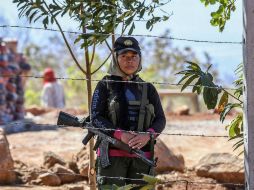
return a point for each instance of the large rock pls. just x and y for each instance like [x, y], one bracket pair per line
[49, 179]
[50, 159]
[223, 167]
[167, 160]
[82, 159]
[25, 173]
[31, 175]
[7, 175]
[66, 175]
[72, 166]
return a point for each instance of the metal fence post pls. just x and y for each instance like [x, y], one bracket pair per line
[248, 59]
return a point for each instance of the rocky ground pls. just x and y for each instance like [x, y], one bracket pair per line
[30, 146]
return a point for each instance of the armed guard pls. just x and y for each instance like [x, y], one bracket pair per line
[124, 102]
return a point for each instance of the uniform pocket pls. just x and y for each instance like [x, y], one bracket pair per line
[149, 116]
[113, 110]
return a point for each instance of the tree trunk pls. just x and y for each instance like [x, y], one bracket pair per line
[91, 175]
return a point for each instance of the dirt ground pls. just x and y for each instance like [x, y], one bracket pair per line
[29, 147]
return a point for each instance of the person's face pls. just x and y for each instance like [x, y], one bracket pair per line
[128, 62]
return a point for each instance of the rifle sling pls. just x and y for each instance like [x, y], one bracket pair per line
[142, 110]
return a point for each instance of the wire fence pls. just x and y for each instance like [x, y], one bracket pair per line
[166, 182]
[135, 35]
[121, 81]
[162, 182]
[51, 126]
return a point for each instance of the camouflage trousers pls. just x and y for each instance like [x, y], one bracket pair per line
[124, 167]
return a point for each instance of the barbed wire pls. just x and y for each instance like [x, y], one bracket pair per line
[137, 35]
[156, 133]
[113, 130]
[170, 181]
[160, 181]
[158, 83]
[121, 81]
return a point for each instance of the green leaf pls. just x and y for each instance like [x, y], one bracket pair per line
[235, 125]
[238, 144]
[223, 101]
[227, 109]
[45, 22]
[28, 11]
[212, 2]
[189, 81]
[38, 2]
[109, 187]
[142, 12]
[129, 20]
[32, 15]
[221, 9]
[148, 24]
[150, 179]
[210, 97]
[147, 187]
[131, 29]
[194, 68]
[186, 72]
[197, 88]
[127, 187]
[236, 137]
[184, 77]
[215, 15]
[37, 18]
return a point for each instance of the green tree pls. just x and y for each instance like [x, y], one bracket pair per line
[222, 14]
[99, 17]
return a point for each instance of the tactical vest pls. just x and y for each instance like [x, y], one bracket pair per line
[146, 116]
[143, 107]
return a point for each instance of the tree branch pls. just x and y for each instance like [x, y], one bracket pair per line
[65, 40]
[92, 58]
[101, 64]
[233, 96]
[111, 50]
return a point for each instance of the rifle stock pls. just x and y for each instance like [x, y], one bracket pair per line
[68, 120]
[65, 119]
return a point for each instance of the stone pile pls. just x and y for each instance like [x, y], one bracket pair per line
[55, 171]
[12, 66]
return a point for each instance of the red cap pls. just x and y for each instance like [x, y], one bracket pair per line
[49, 75]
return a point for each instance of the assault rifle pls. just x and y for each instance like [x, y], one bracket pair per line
[65, 119]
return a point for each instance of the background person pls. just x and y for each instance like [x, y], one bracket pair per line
[52, 92]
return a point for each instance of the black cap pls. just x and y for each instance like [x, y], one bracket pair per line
[123, 44]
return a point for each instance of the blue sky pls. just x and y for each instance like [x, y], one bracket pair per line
[191, 20]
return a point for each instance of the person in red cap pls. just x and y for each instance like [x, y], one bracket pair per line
[52, 92]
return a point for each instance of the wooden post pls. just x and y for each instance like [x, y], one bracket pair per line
[248, 59]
